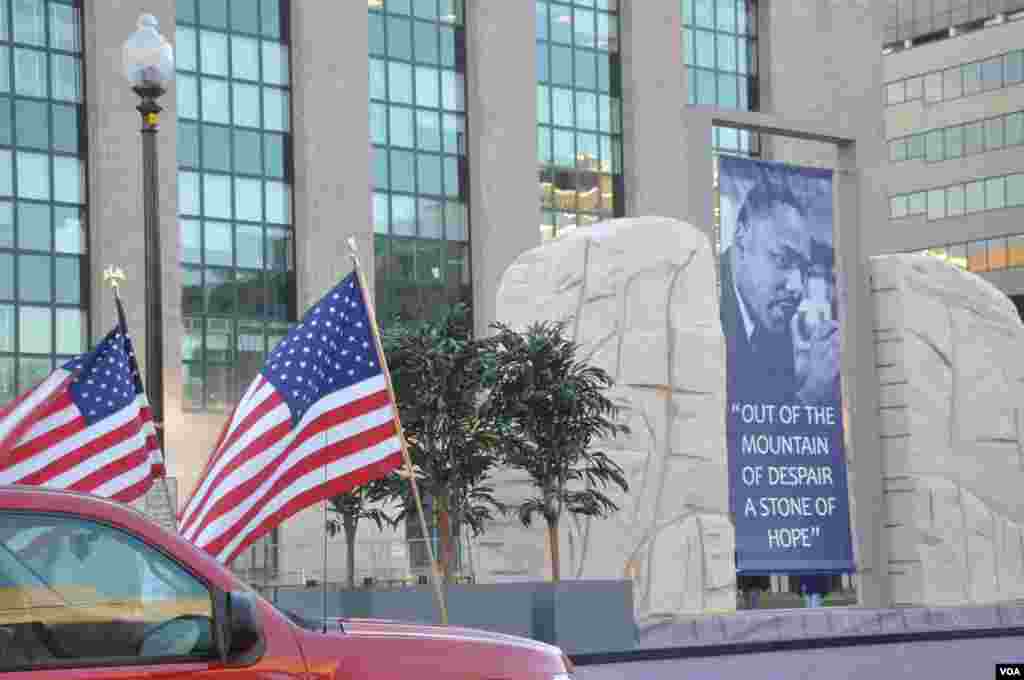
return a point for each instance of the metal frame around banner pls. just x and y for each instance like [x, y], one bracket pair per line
[857, 364]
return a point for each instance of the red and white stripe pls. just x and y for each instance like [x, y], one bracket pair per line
[45, 441]
[264, 470]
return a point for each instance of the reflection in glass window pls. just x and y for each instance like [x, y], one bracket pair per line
[234, 198]
[418, 116]
[43, 317]
[87, 592]
[580, 145]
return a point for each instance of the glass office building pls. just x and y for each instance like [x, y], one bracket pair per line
[447, 138]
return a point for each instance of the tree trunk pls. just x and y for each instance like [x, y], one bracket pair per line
[444, 534]
[556, 570]
[350, 547]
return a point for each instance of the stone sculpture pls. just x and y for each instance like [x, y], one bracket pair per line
[949, 347]
[640, 296]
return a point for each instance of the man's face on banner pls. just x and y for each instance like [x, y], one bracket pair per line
[774, 252]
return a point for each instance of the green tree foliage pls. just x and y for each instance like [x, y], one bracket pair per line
[553, 409]
[436, 370]
[369, 502]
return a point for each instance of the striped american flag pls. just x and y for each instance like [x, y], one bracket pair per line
[87, 427]
[317, 421]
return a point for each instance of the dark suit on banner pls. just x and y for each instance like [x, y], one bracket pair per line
[759, 364]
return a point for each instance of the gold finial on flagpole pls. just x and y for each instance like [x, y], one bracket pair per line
[114, 276]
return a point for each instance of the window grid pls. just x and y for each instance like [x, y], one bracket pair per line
[965, 198]
[983, 255]
[999, 72]
[579, 114]
[43, 235]
[957, 141]
[720, 53]
[420, 175]
[234, 192]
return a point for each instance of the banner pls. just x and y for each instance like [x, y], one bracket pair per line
[784, 416]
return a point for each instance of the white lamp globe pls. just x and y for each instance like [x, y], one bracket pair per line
[148, 57]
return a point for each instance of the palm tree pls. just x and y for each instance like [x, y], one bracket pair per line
[554, 409]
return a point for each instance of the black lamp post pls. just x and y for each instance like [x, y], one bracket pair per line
[149, 67]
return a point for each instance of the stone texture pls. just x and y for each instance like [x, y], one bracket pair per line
[952, 431]
[640, 297]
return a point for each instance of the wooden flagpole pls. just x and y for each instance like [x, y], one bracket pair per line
[434, 569]
[114, 276]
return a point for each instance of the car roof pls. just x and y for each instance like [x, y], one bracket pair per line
[38, 499]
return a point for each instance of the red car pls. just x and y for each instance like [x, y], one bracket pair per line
[90, 589]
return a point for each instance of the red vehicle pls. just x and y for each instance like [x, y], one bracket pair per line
[90, 589]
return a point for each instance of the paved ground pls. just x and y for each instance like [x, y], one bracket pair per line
[952, 660]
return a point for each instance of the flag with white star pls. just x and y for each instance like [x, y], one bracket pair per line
[317, 421]
[87, 427]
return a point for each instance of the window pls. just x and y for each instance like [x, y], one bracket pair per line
[915, 147]
[898, 207]
[997, 254]
[1015, 129]
[952, 83]
[915, 88]
[44, 270]
[975, 196]
[995, 193]
[955, 200]
[83, 592]
[1015, 190]
[994, 137]
[1014, 67]
[992, 74]
[972, 78]
[895, 93]
[898, 150]
[936, 204]
[934, 142]
[974, 138]
[720, 40]
[417, 110]
[234, 193]
[954, 142]
[977, 256]
[579, 123]
[917, 203]
[933, 87]
[1015, 246]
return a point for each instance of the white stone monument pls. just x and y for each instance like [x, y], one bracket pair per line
[949, 350]
[640, 296]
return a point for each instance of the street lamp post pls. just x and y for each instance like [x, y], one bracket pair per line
[149, 67]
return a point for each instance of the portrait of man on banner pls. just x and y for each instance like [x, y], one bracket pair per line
[779, 309]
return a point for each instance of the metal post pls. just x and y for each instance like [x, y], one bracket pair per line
[150, 111]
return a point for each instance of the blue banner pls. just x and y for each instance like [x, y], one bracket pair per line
[784, 415]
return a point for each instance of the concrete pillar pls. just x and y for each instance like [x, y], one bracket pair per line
[501, 102]
[115, 190]
[860, 385]
[331, 132]
[653, 95]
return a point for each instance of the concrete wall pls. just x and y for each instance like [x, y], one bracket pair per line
[951, 433]
[501, 103]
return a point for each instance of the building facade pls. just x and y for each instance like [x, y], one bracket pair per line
[954, 126]
[447, 137]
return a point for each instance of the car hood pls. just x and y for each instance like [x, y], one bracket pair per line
[375, 648]
[403, 629]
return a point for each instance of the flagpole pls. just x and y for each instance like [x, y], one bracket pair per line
[323, 580]
[114, 276]
[435, 571]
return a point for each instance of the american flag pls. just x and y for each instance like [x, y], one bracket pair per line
[87, 427]
[317, 421]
